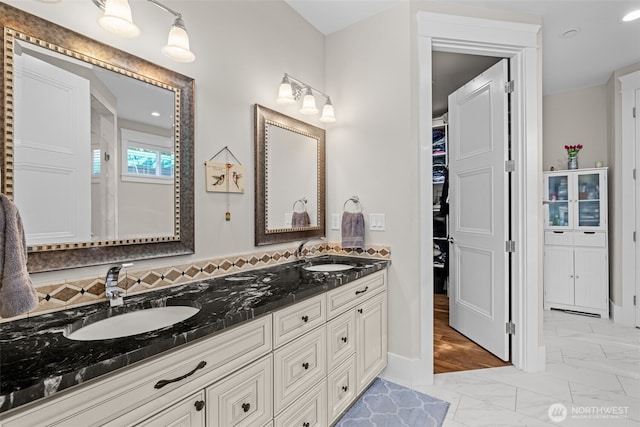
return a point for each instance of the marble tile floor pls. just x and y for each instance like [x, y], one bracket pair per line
[593, 370]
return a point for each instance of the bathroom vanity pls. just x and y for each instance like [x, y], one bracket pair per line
[277, 346]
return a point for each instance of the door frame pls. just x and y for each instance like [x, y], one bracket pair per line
[520, 43]
[630, 158]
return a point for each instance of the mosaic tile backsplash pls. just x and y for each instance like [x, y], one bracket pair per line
[64, 295]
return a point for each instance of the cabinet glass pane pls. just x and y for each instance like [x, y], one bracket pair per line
[558, 188]
[558, 214]
[589, 200]
[589, 213]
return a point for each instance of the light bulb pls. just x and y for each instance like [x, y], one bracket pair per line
[632, 16]
[177, 47]
[308, 103]
[117, 19]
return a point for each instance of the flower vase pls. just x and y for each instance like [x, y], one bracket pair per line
[572, 162]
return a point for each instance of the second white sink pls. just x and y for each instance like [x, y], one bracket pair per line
[329, 267]
[133, 323]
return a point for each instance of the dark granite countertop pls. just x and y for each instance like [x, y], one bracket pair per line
[37, 360]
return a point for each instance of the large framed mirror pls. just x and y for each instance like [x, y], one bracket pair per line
[97, 149]
[290, 178]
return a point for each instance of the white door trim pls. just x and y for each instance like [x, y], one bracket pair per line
[629, 84]
[520, 43]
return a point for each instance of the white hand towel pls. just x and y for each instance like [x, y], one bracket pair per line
[17, 295]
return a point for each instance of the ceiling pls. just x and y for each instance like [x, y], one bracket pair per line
[601, 44]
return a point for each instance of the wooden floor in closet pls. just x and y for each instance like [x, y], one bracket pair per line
[452, 350]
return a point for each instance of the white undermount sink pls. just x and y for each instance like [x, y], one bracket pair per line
[133, 323]
[329, 267]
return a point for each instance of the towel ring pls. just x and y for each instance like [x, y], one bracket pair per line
[356, 201]
[303, 202]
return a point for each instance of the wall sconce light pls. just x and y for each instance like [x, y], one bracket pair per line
[292, 90]
[117, 19]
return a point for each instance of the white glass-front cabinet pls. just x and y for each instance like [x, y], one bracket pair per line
[576, 262]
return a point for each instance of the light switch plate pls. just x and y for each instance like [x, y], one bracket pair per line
[335, 221]
[376, 222]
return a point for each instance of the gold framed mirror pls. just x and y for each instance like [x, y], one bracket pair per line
[95, 181]
[290, 178]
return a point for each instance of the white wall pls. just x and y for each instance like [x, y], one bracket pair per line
[242, 49]
[373, 153]
[575, 117]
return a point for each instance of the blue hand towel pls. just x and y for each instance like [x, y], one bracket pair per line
[352, 230]
[17, 295]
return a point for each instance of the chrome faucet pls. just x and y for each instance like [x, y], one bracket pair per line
[111, 289]
[301, 247]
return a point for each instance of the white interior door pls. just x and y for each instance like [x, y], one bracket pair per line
[478, 147]
[637, 224]
[52, 166]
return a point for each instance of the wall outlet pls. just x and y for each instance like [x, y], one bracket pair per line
[376, 222]
[335, 221]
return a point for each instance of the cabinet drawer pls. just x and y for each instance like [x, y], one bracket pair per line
[341, 388]
[598, 240]
[346, 297]
[297, 366]
[341, 339]
[309, 411]
[558, 238]
[243, 399]
[294, 321]
[131, 393]
[187, 413]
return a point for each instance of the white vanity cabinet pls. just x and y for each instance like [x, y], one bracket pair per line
[303, 365]
[576, 266]
[358, 353]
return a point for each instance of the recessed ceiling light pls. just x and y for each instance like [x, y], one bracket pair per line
[631, 16]
[569, 33]
[155, 114]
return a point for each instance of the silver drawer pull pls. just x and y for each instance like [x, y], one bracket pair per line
[163, 383]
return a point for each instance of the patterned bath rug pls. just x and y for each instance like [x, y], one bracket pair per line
[386, 404]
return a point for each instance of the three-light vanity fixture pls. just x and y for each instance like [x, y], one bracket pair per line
[117, 19]
[292, 89]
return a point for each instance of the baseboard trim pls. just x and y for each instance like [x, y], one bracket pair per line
[408, 372]
[616, 312]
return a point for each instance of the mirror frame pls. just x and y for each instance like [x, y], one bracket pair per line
[263, 236]
[16, 22]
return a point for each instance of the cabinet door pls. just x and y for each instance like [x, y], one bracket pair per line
[297, 366]
[341, 388]
[371, 329]
[308, 411]
[341, 339]
[244, 398]
[590, 200]
[186, 413]
[591, 278]
[558, 274]
[557, 191]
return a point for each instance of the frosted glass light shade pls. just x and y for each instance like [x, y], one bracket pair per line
[632, 16]
[285, 93]
[328, 115]
[177, 47]
[117, 19]
[308, 103]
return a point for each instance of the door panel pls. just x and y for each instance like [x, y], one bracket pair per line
[478, 131]
[52, 168]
